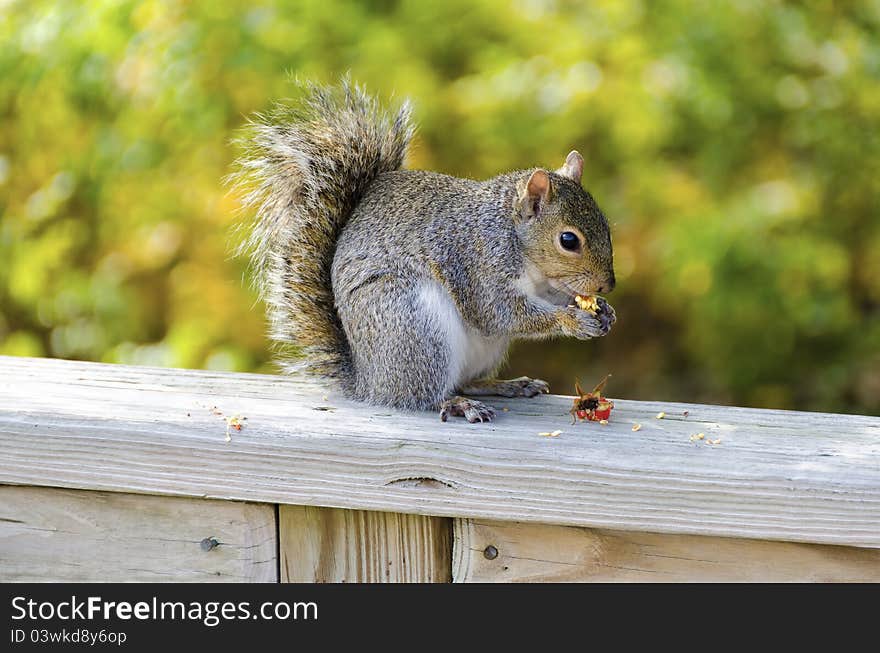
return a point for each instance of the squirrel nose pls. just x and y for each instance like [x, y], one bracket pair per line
[608, 286]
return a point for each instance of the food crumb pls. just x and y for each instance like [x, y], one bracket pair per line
[234, 422]
[697, 436]
[637, 427]
[506, 409]
[661, 415]
[714, 441]
[551, 434]
[686, 413]
[603, 422]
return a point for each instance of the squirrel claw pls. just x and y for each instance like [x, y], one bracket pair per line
[471, 409]
[525, 387]
[535, 387]
[606, 314]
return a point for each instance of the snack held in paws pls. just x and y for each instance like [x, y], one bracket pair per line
[596, 306]
[589, 303]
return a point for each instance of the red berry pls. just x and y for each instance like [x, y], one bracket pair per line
[603, 410]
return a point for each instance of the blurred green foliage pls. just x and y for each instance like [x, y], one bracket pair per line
[734, 146]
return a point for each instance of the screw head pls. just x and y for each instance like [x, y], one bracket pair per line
[209, 543]
[490, 552]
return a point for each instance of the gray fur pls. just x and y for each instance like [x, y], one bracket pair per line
[304, 169]
[346, 246]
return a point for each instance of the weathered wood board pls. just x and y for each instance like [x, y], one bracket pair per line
[330, 545]
[774, 475]
[489, 552]
[55, 535]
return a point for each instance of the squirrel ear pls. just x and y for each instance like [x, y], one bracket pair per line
[535, 193]
[574, 166]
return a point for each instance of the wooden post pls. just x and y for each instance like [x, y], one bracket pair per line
[331, 545]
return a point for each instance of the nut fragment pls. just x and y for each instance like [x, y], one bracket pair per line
[697, 436]
[637, 427]
[661, 415]
[234, 422]
[587, 303]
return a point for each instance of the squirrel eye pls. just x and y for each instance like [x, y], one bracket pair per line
[569, 241]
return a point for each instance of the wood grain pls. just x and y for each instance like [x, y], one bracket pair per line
[53, 535]
[775, 475]
[329, 545]
[544, 553]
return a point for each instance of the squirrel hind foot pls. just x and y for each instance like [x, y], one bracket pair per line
[471, 409]
[522, 386]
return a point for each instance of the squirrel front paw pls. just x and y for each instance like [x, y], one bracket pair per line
[606, 313]
[584, 325]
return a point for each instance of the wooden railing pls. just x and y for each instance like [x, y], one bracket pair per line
[109, 472]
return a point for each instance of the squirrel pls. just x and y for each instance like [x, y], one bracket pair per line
[407, 286]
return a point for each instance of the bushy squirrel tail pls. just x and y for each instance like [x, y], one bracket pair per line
[304, 168]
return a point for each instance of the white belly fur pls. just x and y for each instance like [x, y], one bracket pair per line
[472, 355]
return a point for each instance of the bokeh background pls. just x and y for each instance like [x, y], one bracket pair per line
[734, 146]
